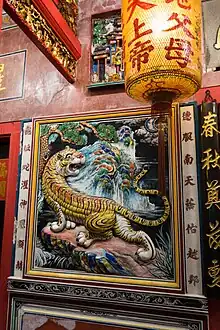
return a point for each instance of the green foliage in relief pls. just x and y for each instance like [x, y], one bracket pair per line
[73, 132]
[44, 129]
[107, 133]
[78, 132]
[68, 126]
[99, 32]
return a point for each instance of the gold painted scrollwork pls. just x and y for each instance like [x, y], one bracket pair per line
[69, 11]
[37, 24]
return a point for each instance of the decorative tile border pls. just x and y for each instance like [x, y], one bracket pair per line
[116, 296]
[191, 229]
[34, 270]
[190, 207]
[21, 219]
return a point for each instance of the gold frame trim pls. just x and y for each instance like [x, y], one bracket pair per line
[29, 271]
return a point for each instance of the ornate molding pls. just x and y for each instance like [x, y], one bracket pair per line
[57, 45]
[20, 306]
[69, 11]
[116, 296]
[192, 326]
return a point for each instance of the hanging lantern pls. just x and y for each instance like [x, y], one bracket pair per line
[162, 50]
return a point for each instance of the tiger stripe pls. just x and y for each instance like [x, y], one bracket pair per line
[97, 214]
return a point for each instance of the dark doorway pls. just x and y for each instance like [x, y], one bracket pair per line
[4, 154]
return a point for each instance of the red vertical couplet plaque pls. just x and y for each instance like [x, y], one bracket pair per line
[3, 178]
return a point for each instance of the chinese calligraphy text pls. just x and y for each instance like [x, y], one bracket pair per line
[214, 235]
[3, 177]
[210, 165]
[214, 273]
[158, 45]
[2, 69]
[209, 125]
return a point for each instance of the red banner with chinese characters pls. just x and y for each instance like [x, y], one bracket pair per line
[3, 178]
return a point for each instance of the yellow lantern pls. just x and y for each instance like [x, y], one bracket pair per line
[162, 50]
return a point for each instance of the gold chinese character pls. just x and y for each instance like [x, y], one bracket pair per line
[2, 68]
[3, 170]
[5, 19]
[209, 125]
[214, 236]
[213, 194]
[214, 273]
[1, 78]
[2, 189]
[209, 161]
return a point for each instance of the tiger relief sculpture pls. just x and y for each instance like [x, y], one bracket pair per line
[102, 217]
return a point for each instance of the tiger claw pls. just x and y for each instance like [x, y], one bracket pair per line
[83, 240]
[54, 227]
[72, 225]
[145, 254]
[79, 236]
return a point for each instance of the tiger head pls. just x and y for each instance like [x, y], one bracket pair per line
[69, 161]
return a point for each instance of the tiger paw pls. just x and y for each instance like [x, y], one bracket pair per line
[145, 255]
[70, 224]
[83, 240]
[56, 227]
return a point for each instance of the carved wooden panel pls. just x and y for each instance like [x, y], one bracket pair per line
[46, 26]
